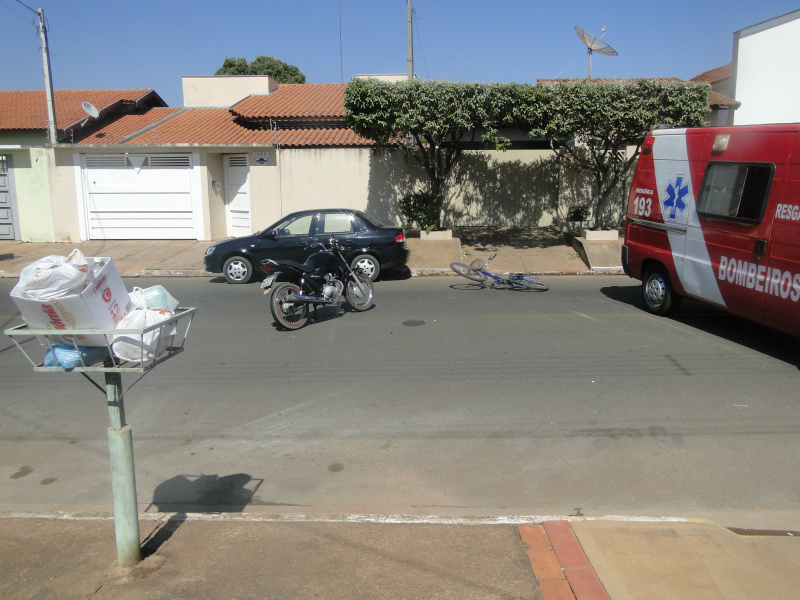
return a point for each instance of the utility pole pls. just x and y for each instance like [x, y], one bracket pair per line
[48, 81]
[409, 13]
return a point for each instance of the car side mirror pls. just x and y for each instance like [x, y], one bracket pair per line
[275, 233]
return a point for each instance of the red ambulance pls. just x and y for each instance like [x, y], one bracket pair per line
[714, 214]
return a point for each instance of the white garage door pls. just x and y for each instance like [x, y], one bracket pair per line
[139, 197]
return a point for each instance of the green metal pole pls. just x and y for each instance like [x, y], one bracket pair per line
[123, 476]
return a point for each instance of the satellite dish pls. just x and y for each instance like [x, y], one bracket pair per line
[89, 109]
[594, 44]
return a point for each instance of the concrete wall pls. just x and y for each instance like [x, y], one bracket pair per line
[767, 71]
[214, 198]
[64, 205]
[225, 90]
[517, 187]
[32, 169]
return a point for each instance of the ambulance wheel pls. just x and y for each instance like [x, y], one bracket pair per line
[659, 297]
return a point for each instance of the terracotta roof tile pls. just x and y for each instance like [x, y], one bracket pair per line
[717, 100]
[714, 75]
[116, 130]
[296, 101]
[321, 137]
[214, 126]
[27, 109]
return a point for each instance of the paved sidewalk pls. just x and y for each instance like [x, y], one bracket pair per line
[198, 557]
[165, 258]
[132, 258]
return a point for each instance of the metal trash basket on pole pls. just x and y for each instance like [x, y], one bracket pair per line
[120, 439]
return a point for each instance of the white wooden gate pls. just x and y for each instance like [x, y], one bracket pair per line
[237, 195]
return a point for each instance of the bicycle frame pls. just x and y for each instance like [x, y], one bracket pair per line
[518, 281]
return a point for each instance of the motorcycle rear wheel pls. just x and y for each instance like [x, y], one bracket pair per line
[359, 297]
[289, 315]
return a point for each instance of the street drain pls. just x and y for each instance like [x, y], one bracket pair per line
[764, 532]
[413, 323]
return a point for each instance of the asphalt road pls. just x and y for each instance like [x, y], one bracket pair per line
[443, 400]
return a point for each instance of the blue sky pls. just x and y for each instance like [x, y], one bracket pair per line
[107, 44]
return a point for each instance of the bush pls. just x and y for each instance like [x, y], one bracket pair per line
[422, 208]
[578, 212]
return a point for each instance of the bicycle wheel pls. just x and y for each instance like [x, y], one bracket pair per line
[522, 282]
[468, 272]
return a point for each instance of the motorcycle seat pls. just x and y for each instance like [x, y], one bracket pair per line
[293, 265]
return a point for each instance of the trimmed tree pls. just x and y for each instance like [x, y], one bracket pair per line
[605, 118]
[262, 65]
[435, 120]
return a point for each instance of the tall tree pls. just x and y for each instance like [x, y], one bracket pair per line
[262, 65]
[605, 118]
[434, 118]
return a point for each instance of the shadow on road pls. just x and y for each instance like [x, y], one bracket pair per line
[719, 323]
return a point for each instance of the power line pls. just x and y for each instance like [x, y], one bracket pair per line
[341, 62]
[14, 10]
[419, 40]
[26, 6]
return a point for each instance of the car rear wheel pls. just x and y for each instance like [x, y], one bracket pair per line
[659, 296]
[368, 264]
[237, 269]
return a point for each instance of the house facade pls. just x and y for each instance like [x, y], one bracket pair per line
[721, 97]
[242, 153]
[35, 205]
[766, 71]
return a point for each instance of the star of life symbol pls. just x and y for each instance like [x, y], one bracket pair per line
[676, 192]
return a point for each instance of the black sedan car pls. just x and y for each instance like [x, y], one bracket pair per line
[370, 245]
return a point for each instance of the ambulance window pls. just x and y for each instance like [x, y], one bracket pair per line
[735, 191]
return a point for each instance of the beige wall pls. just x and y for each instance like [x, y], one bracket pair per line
[64, 200]
[213, 198]
[224, 91]
[517, 187]
[32, 171]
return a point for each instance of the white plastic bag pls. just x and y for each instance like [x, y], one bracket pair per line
[144, 347]
[153, 297]
[53, 277]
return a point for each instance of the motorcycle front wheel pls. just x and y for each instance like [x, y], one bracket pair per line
[359, 295]
[289, 315]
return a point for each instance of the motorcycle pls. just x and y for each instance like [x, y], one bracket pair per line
[320, 281]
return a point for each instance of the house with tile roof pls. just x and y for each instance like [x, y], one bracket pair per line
[721, 97]
[230, 163]
[29, 196]
[200, 172]
[765, 75]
